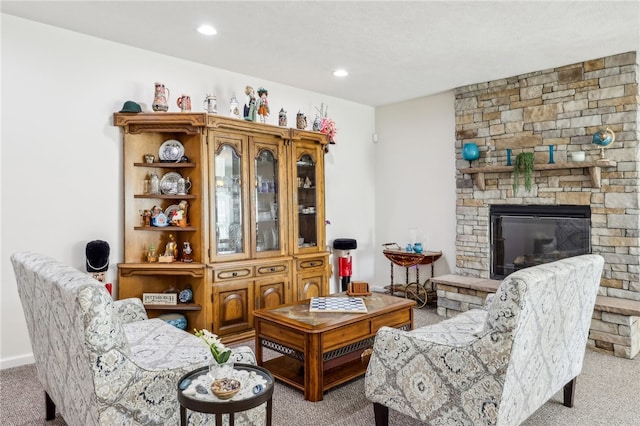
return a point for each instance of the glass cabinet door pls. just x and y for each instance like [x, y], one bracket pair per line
[267, 214]
[228, 201]
[307, 198]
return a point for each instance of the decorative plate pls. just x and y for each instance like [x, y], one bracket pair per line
[171, 150]
[169, 183]
[186, 295]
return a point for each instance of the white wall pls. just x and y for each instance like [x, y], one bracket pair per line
[61, 157]
[415, 181]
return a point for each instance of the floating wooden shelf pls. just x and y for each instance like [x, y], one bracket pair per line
[594, 168]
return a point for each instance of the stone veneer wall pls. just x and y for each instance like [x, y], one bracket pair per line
[563, 107]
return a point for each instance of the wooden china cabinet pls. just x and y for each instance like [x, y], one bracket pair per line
[256, 221]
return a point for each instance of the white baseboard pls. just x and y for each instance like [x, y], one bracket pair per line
[16, 361]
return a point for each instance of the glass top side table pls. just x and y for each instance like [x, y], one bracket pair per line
[194, 393]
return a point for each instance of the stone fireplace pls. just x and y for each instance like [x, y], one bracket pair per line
[561, 107]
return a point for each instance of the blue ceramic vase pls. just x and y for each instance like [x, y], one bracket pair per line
[470, 152]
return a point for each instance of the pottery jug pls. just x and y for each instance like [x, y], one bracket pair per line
[184, 103]
[210, 104]
[160, 98]
[183, 186]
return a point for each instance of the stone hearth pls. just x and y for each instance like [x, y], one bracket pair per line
[562, 107]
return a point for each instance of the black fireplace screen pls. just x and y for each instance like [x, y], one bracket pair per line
[523, 236]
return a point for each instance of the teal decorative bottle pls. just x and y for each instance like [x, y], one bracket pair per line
[551, 155]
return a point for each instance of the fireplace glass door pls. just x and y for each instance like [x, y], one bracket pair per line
[523, 236]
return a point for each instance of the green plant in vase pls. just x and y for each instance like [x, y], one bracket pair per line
[524, 163]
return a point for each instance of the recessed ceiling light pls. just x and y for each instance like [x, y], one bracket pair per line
[207, 30]
[340, 73]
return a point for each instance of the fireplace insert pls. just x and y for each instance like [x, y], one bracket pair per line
[523, 236]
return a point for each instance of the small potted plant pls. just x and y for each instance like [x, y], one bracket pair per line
[221, 365]
[524, 162]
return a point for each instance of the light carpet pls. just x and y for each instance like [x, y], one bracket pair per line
[607, 393]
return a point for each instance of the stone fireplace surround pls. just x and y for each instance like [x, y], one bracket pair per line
[562, 107]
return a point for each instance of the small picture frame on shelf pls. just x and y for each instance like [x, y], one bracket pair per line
[159, 298]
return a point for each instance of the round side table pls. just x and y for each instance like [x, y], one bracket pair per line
[246, 399]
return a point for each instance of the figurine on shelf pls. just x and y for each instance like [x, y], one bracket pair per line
[187, 252]
[171, 248]
[263, 104]
[180, 216]
[146, 217]
[250, 106]
[152, 256]
[158, 217]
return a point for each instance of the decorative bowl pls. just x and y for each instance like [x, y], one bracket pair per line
[175, 319]
[225, 388]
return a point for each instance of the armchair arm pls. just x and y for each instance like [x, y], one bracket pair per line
[130, 310]
[488, 300]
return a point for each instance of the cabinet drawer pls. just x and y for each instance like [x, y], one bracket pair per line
[344, 335]
[232, 273]
[315, 263]
[272, 268]
[392, 319]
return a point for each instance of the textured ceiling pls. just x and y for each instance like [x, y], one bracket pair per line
[394, 50]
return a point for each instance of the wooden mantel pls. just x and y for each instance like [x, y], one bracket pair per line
[594, 168]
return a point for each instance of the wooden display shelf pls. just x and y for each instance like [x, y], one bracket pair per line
[175, 268]
[178, 307]
[166, 165]
[166, 197]
[166, 228]
[594, 168]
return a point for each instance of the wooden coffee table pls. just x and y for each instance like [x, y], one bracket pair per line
[324, 349]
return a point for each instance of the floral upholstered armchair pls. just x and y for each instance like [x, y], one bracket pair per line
[494, 366]
[103, 362]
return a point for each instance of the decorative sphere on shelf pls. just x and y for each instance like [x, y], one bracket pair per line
[604, 138]
[470, 152]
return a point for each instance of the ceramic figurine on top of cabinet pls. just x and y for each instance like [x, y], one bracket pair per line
[210, 104]
[301, 121]
[282, 118]
[160, 98]
[234, 109]
[263, 104]
[250, 106]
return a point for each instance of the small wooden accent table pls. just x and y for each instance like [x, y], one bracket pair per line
[417, 291]
[324, 349]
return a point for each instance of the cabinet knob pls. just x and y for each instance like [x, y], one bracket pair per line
[272, 269]
[234, 274]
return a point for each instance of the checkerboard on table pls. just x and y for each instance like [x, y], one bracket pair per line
[337, 304]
